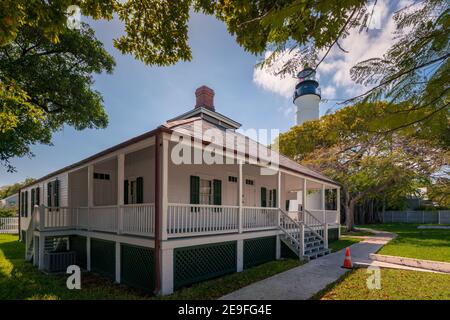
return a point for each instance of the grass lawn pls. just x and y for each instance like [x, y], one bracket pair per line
[395, 285]
[20, 280]
[343, 242]
[416, 243]
[358, 233]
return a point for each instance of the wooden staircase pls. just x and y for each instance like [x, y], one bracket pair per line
[306, 241]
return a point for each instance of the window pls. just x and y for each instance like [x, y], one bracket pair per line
[53, 193]
[232, 179]
[249, 182]
[205, 191]
[134, 191]
[273, 198]
[101, 176]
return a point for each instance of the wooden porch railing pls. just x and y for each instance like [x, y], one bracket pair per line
[255, 218]
[329, 216]
[196, 219]
[134, 219]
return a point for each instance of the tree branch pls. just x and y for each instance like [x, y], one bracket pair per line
[396, 77]
[337, 38]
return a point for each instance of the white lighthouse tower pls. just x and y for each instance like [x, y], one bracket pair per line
[307, 96]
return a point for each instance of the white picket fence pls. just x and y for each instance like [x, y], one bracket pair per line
[433, 217]
[9, 225]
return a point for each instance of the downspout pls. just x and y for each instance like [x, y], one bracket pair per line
[157, 214]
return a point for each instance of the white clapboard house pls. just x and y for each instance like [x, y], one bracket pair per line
[138, 215]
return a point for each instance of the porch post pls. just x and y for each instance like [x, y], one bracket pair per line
[88, 253]
[279, 190]
[41, 252]
[325, 224]
[304, 195]
[120, 190]
[35, 250]
[240, 196]
[118, 262]
[240, 255]
[164, 184]
[324, 214]
[338, 206]
[90, 190]
[167, 271]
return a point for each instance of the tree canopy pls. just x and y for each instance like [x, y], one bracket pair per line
[412, 75]
[345, 147]
[44, 85]
[8, 190]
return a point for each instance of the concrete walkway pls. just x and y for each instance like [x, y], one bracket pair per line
[304, 281]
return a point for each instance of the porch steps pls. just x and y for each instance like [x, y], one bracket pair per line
[314, 246]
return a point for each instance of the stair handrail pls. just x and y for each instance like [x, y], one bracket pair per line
[299, 226]
[320, 223]
[311, 217]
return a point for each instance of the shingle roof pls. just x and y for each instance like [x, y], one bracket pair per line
[186, 127]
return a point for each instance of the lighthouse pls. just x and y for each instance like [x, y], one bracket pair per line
[307, 96]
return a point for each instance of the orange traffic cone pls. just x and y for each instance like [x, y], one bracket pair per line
[348, 260]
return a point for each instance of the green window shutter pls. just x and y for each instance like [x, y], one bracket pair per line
[49, 194]
[125, 191]
[217, 189]
[195, 190]
[56, 192]
[26, 203]
[21, 204]
[263, 197]
[140, 190]
[287, 205]
[38, 196]
[274, 202]
[33, 197]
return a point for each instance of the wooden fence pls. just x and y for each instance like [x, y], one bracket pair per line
[9, 225]
[430, 217]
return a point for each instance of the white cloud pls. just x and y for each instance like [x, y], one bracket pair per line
[335, 70]
[328, 92]
[266, 79]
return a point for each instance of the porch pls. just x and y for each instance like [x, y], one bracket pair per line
[116, 194]
[139, 198]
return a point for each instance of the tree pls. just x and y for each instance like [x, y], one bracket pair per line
[44, 85]
[8, 190]
[439, 190]
[366, 163]
[155, 31]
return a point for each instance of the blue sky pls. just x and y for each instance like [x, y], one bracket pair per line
[138, 98]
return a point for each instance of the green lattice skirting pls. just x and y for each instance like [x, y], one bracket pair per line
[103, 257]
[198, 263]
[138, 267]
[78, 244]
[258, 251]
[333, 234]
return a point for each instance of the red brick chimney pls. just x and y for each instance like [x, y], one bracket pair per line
[204, 97]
